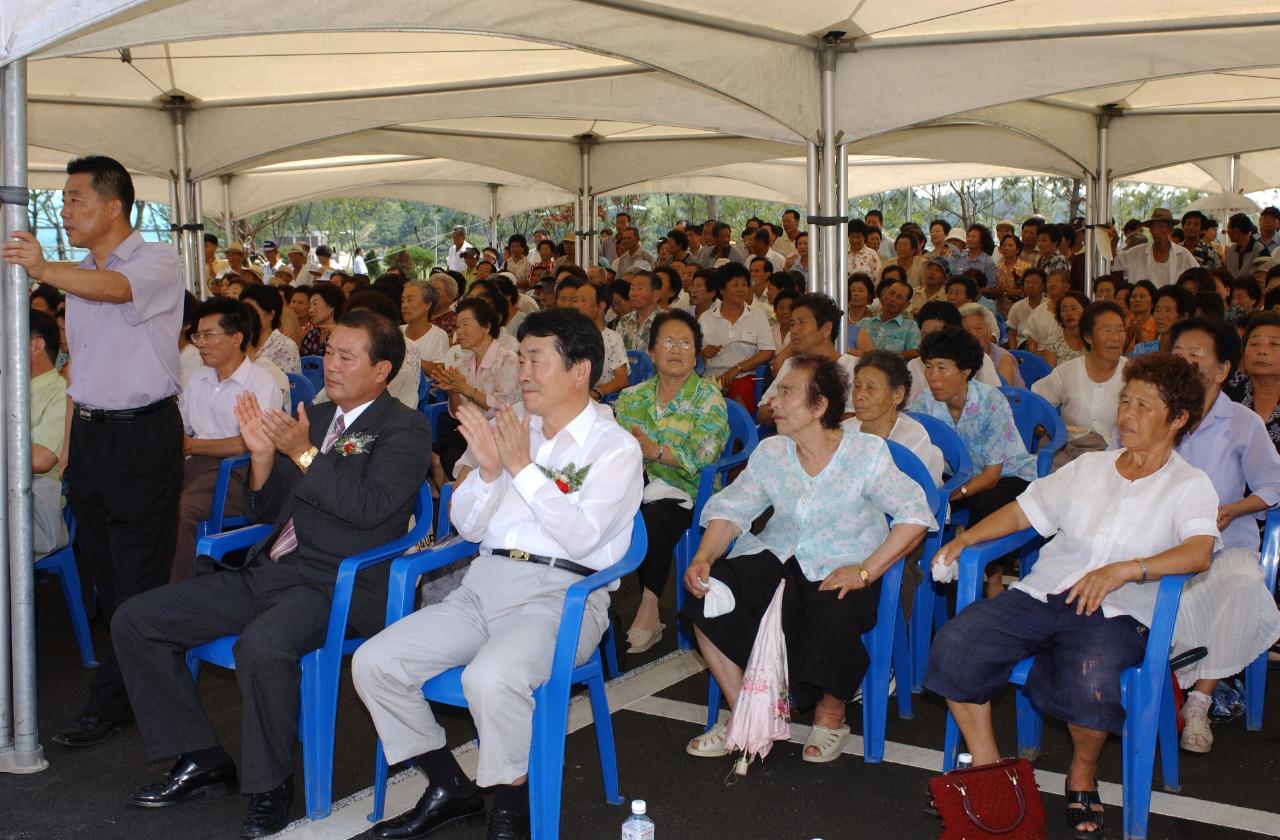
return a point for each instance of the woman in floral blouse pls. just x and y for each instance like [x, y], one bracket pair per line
[682, 423]
[1009, 268]
[830, 488]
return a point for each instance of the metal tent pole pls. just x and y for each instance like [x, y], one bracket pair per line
[1103, 200]
[828, 53]
[228, 227]
[1090, 217]
[842, 239]
[195, 236]
[813, 280]
[586, 235]
[1233, 171]
[493, 217]
[26, 756]
[192, 251]
[11, 275]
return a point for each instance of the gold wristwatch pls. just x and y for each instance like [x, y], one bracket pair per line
[862, 573]
[304, 460]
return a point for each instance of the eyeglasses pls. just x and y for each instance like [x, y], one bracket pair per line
[670, 343]
[207, 335]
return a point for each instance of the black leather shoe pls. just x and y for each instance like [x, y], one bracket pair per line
[268, 812]
[88, 731]
[185, 780]
[505, 824]
[437, 807]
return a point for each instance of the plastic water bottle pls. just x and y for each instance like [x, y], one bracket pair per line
[964, 760]
[638, 826]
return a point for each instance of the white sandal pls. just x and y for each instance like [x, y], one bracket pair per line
[1197, 736]
[712, 743]
[828, 743]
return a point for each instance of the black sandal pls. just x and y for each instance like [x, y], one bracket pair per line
[1080, 811]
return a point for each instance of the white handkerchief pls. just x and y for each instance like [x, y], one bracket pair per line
[719, 599]
[945, 572]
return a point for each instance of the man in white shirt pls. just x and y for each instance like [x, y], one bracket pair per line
[326, 267]
[758, 246]
[1161, 260]
[593, 301]
[786, 244]
[557, 485]
[1269, 229]
[454, 259]
[358, 265]
[272, 263]
[1021, 311]
[630, 253]
[1042, 325]
[223, 330]
[297, 257]
[815, 319]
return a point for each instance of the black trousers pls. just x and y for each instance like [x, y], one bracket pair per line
[665, 522]
[824, 632]
[279, 618]
[982, 505]
[124, 480]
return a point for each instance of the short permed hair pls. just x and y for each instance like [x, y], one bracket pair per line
[826, 379]
[1177, 382]
[893, 367]
[955, 345]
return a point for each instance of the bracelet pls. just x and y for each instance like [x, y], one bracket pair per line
[864, 574]
[661, 450]
[1142, 564]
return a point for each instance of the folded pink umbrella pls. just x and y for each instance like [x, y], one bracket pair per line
[763, 711]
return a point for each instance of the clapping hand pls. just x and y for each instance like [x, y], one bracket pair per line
[478, 433]
[292, 437]
[512, 437]
[252, 431]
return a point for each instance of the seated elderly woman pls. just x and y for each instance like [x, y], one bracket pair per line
[983, 419]
[682, 423]
[1227, 609]
[1083, 610]
[830, 488]
[1172, 304]
[1256, 385]
[881, 383]
[1067, 343]
[980, 322]
[932, 317]
[1086, 390]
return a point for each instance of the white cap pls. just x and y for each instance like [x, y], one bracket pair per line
[637, 806]
[964, 758]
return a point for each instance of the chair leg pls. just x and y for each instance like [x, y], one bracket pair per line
[950, 745]
[609, 644]
[904, 674]
[1168, 740]
[875, 708]
[1139, 760]
[316, 728]
[684, 551]
[1030, 728]
[713, 701]
[604, 741]
[380, 773]
[546, 761]
[921, 634]
[69, 578]
[1255, 689]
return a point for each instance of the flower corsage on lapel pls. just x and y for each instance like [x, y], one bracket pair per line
[568, 478]
[354, 444]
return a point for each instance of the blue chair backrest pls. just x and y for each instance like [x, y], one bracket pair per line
[1029, 411]
[699, 365]
[743, 436]
[959, 464]
[300, 391]
[424, 389]
[313, 369]
[906, 460]
[1004, 329]
[1270, 549]
[1032, 367]
[641, 367]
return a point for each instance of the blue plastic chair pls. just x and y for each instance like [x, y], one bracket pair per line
[640, 367]
[313, 369]
[1031, 410]
[424, 388]
[62, 565]
[1003, 338]
[321, 668]
[1146, 691]
[218, 520]
[742, 441]
[1032, 367]
[300, 391]
[879, 640]
[551, 700]
[1255, 674]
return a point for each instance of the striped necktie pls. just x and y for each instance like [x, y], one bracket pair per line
[288, 539]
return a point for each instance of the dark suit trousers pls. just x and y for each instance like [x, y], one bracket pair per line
[279, 618]
[123, 483]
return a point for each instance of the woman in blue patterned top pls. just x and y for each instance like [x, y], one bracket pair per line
[982, 418]
[830, 488]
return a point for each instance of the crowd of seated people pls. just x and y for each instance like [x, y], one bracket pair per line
[1167, 372]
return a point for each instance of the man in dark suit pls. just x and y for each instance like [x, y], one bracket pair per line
[335, 484]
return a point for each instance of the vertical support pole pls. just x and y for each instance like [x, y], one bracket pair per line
[1090, 233]
[175, 221]
[1233, 174]
[842, 239]
[827, 54]
[493, 217]
[26, 756]
[195, 236]
[228, 224]
[586, 235]
[10, 275]
[192, 249]
[813, 281]
[1103, 201]
[911, 195]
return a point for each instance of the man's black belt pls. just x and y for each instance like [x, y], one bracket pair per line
[121, 415]
[553, 562]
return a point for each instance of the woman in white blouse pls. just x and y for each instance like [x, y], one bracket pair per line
[830, 488]
[881, 383]
[1087, 390]
[417, 301]
[1117, 521]
[737, 336]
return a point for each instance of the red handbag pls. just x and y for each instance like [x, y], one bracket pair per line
[995, 802]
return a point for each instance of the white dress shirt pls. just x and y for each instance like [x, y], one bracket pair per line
[1084, 403]
[277, 376]
[208, 406]
[1020, 315]
[454, 261]
[590, 526]
[738, 341]
[1097, 517]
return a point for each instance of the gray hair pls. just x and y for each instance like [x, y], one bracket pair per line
[429, 294]
[993, 328]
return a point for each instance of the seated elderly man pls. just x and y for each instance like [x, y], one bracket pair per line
[336, 483]
[224, 328]
[1084, 608]
[815, 326]
[830, 488]
[552, 500]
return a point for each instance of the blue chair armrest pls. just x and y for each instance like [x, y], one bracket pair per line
[220, 488]
[707, 478]
[443, 526]
[1044, 457]
[405, 571]
[217, 545]
[1160, 633]
[974, 559]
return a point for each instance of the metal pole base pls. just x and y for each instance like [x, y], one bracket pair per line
[13, 761]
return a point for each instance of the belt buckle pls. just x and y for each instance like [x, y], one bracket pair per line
[517, 554]
[84, 413]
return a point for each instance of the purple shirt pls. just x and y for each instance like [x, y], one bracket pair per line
[125, 355]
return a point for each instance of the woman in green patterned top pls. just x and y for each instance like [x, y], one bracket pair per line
[682, 423]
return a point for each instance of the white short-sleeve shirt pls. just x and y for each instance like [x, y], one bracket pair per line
[1096, 517]
[432, 345]
[208, 406]
[908, 432]
[738, 341]
[1090, 406]
[846, 362]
